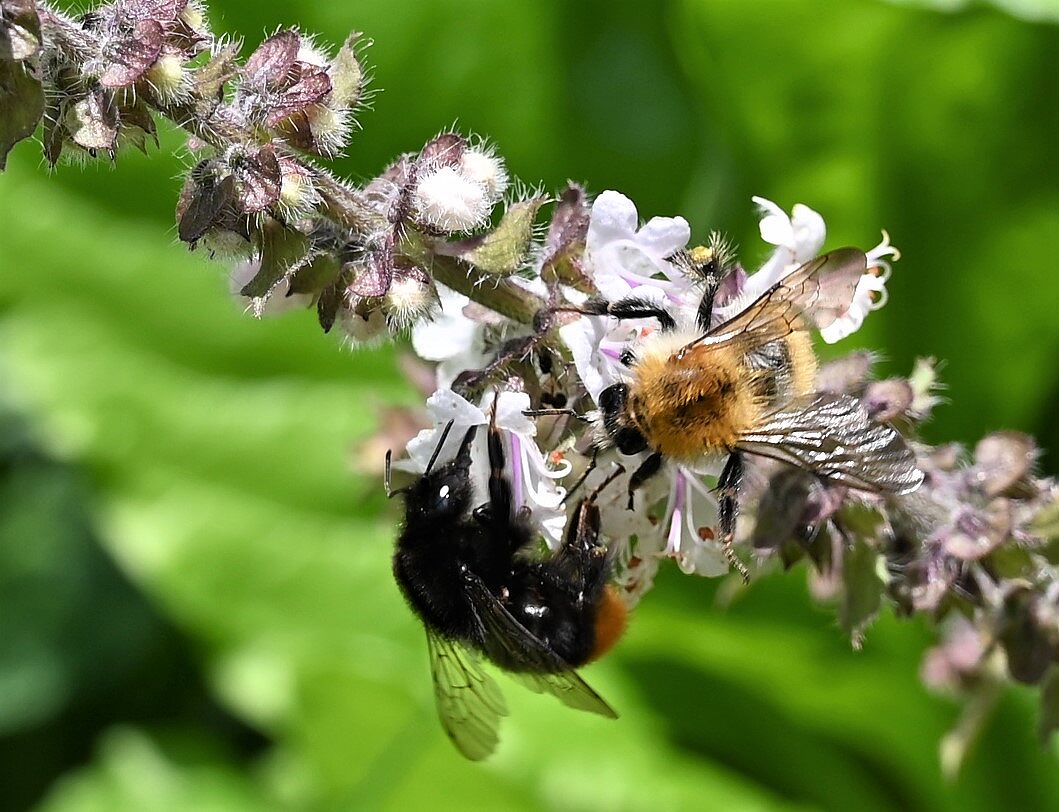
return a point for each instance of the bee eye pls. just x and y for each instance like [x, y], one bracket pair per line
[443, 499]
[613, 397]
[629, 441]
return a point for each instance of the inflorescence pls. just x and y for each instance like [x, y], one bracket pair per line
[423, 247]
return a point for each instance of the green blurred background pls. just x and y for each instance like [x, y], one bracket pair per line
[196, 610]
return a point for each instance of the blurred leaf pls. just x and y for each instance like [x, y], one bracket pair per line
[134, 772]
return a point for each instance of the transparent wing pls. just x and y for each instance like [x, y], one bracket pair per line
[833, 437]
[468, 700]
[821, 289]
[539, 668]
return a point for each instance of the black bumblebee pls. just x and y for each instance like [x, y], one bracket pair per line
[472, 575]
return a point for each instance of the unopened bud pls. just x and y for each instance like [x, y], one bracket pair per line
[448, 200]
[329, 127]
[487, 169]
[168, 77]
[410, 298]
[362, 328]
[298, 196]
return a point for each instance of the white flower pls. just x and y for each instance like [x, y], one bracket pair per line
[798, 238]
[452, 339]
[533, 483]
[447, 199]
[626, 260]
[596, 344]
[623, 256]
[869, 295]
[690, 519]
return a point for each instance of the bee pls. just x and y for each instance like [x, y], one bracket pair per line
[746, 386]
[471, 576]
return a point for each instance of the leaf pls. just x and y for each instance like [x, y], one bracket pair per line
[269, 64]
[209, 80]
[259, 180]
[282, 250]
[22, 103]
[566, 237]
[503, 251]
[445, 149]
[315, 275]
[862, 590]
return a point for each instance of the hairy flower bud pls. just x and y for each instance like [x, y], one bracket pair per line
[410, 298]
[447, 200]
[484, 167]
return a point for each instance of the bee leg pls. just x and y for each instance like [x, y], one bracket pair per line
[584, 474]
[631, 307]
[651, 466]
[728, 507]
[704, 315]
[564, 411]
[500, 500]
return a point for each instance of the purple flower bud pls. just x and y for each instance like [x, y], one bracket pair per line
[955, 664]
[127, 58]
[888, 400]
[1003, 460]
[258, 179]
[847, 375]
[372, 277]
[976, 533]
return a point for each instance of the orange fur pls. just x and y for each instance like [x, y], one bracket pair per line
[611, 621]
[689, 406]
[706, 400]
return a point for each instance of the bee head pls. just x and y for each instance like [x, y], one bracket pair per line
[444, 492]
[618, 422]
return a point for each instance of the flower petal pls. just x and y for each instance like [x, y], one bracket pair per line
[613, 216]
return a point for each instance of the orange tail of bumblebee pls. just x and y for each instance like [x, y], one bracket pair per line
[611, 622]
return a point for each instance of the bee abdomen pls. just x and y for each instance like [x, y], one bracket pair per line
[612, 618]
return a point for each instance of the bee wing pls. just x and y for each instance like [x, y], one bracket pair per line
[821, 289]
[468, 700]
[833, 436]
[545, 671]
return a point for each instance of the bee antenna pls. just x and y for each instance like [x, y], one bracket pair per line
[437, 449]
[390, 491]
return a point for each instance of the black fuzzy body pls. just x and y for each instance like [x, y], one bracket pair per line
[445, 538]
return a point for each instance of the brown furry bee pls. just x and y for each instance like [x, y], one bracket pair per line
[747, 386]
